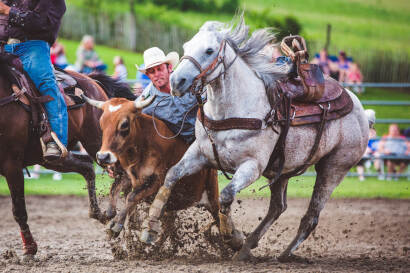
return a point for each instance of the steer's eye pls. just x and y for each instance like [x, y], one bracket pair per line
[209, 51]
[124, 127]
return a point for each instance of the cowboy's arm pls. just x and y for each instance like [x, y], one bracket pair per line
[43, 18]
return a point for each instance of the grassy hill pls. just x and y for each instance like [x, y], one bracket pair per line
[356, 24]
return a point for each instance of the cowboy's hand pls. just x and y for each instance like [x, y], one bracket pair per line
[4, 9]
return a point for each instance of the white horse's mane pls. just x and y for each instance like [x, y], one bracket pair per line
[249, 48]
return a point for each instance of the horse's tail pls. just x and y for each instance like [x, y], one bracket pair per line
[371, 117]
[113, 88]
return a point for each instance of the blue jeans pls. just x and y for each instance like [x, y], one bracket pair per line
[35, 56]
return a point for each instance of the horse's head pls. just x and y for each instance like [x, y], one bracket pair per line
[204, 58]
[119, 128]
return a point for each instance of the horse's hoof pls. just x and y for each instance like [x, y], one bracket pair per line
[148, 237]
[30, 249]
[28, 258]
[236, 241]
[96, 214]
[242, 255]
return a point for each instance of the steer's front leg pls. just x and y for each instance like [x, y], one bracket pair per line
[192, 162]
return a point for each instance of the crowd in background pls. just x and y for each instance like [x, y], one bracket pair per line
[341, 68]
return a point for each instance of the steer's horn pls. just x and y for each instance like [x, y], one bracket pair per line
[95, 103]
[141, 103]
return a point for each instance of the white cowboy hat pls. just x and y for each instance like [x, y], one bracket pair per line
[154, 56]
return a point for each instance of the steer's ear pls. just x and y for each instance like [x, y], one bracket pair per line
[142, 102]
[95, 103]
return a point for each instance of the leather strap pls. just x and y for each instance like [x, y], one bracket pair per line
[230, 123]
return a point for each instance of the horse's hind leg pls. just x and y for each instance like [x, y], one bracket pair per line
[277, 206]
[12, 171]
[329, 175]
[84, 166]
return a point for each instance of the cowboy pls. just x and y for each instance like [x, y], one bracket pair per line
[32, 26]
[167, 108]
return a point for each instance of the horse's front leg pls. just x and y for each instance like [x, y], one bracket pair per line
[246, 174]
[192, 162]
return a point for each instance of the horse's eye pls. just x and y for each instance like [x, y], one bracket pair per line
[209, 51]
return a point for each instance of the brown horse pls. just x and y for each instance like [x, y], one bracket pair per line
[20, 149]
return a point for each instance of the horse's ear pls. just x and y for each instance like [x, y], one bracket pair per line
[95, 103]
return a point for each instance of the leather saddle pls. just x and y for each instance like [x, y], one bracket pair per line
[309, 91]
[66, 83]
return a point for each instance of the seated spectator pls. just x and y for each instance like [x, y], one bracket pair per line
[87, 59]
[354, 75]
[57, 55]
[120, 71]
[394, 144]
[322, 59]
[371, 149]
[344, 65]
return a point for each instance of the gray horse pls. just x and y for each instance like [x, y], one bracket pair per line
[236, 87]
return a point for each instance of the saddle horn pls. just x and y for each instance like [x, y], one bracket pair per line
[140, 103]
[95, 103]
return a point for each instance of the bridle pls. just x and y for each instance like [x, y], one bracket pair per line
[198, 88]
[199, 83]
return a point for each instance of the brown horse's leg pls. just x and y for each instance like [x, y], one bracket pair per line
[14, 175]
[277, 206]
[78, 164]
[329, 175]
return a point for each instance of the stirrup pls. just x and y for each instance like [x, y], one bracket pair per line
[60, 145]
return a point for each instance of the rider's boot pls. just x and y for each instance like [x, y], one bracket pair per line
[52, 152]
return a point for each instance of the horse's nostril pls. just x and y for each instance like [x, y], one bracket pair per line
[181, 83]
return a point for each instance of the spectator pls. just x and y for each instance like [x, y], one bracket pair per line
[354, 75]
[343, 65]
[141, 77]
[57, 55]
[322, 59]
[394, 144]
[137, 89]
[120, 71]
[87, 59]
[370, 151]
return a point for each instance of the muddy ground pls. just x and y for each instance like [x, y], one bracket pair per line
[352, 236]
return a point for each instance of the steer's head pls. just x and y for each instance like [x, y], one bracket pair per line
[119, 128]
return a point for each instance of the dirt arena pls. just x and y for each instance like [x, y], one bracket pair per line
[352, 236]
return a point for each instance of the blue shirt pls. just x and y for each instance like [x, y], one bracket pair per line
[172, 110]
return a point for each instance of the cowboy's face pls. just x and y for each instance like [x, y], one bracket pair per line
[159, 75]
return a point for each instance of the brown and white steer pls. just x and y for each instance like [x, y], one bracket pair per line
[129, 138]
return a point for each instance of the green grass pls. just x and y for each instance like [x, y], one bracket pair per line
[357, 25]
[107, 54]
[299, 187]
